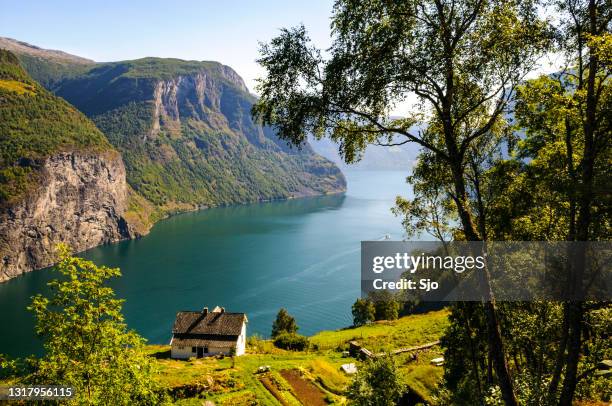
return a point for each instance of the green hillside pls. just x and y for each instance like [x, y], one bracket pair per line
[47, 67]
[215, 379]
[197, 146]
[35, 124]
[299, 377]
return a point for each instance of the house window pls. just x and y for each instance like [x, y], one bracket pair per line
[193, 349]
[205, 350]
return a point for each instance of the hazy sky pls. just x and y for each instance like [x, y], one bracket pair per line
[111, 30]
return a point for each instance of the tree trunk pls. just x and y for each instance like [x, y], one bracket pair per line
[494, 337]
[560, 357]
[585, 200]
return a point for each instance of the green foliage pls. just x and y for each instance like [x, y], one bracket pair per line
[13, 368]
[363, 312]
[482, 48]
[50, 73]
[407, 331]
[284, 323]
[377, 383]
[386, 305]
[87, 343]
[291, 341]
[211, 154]
[34, 124]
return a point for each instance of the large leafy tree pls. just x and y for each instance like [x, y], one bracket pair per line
[568, 125]
[462, 60]
[585, 37]
[556, 187]
[87, 343]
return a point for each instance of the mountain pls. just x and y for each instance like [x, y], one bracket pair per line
[46, 66]
[162, 136]
[185, 131]
[60, 178]
[400, 157]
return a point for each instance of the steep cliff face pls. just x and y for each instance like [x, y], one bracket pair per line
[80, 201]
[186, 134]
[60, 179]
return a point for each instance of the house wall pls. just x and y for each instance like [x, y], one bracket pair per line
[241, 343]
[180, 352]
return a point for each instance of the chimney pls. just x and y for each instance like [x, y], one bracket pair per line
[205, 311]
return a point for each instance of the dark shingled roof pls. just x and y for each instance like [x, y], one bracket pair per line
[203, 342]
[211, 323]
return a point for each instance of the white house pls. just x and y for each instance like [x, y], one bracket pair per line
[202, 334]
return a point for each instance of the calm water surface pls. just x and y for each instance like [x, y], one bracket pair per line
[300, 254]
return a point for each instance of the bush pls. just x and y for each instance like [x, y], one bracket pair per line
[291, 341]
[376, 383]
[386, 307]
[363, 312]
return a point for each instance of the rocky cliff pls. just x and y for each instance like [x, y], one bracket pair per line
[185, 132]
[60, 179]
[80, 200]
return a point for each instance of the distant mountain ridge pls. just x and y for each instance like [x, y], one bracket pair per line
[47, 67]
[23, 48]
[376, 158]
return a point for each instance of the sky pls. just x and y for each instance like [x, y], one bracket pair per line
[224, 31]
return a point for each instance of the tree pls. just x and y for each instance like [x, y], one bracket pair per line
[585, 37]
[462, 59]
[87, 343]
[284, 323]
[386, 306]
[363, 312]
[376, 384]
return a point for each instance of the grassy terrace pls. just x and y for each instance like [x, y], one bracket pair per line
[319, 380]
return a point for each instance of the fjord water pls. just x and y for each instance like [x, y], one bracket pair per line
[301, 254]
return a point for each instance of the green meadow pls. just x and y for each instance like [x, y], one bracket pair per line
[230, 382]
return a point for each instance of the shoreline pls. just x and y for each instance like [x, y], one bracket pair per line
[171, 214]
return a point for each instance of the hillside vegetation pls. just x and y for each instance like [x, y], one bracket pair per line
[215, 379]
[35, 124]
[47, 67]
[186, 135]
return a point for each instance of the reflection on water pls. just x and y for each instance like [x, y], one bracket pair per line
[300, 254]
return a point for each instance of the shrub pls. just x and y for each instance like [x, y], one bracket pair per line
[376, 383]
[363, 312]
[291, 341]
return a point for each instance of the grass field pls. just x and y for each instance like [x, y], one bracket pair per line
[297, 378]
